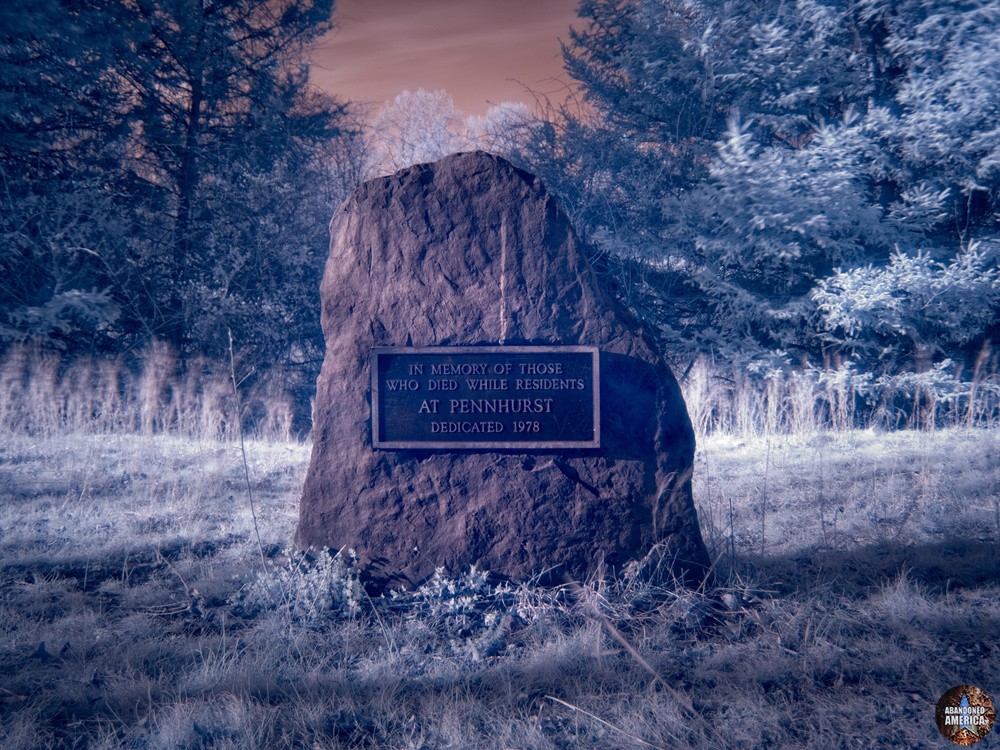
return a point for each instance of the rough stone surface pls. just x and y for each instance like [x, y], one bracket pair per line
[416, 259]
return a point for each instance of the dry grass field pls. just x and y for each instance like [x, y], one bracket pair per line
[857, 578]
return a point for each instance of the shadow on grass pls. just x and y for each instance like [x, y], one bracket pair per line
[135, 564]
[951, 564]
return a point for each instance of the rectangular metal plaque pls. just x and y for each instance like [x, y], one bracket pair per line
[485, 397]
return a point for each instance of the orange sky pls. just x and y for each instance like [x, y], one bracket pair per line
[480, 51]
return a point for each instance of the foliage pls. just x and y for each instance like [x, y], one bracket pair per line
[423, 126]
[464, 609]
[914, 302]
[504, 129]
[310, 587]
[165, 174]
[416, 127]
[764, 167]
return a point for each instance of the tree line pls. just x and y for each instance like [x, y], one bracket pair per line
[769, 184]
[773, 183]
[165, 175]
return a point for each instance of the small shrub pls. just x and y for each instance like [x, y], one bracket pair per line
[311, 587]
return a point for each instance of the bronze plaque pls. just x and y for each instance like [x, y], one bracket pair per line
[502, 397]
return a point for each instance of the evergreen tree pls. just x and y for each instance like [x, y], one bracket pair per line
[226, 140]
[60, 131]
[184, 163]
[744, 156]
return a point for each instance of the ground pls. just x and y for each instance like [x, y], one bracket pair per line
[856, 581]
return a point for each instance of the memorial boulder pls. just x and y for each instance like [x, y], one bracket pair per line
[482, 401]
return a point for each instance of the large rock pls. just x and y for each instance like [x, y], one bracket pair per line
[415, 259]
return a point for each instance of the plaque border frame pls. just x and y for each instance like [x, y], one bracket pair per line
[379, 444]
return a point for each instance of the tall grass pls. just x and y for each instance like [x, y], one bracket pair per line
[45, 395]
[804, 401]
